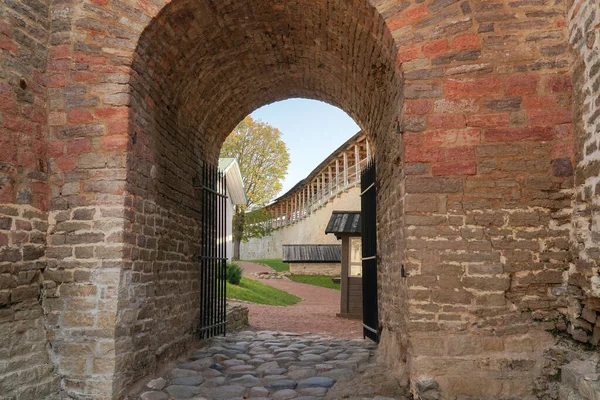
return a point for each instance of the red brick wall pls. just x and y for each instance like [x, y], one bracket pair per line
[475, 198]
[488, 158]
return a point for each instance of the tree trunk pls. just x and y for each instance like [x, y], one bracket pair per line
[236, 249]
[238, 231]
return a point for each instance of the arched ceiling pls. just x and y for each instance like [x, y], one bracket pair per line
[205, 65]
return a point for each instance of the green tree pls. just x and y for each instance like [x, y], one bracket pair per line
[263, 158]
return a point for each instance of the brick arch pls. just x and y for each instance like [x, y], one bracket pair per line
[232, 59]
[195, 74]
[482, 168]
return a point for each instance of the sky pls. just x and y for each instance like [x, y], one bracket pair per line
[311, 129]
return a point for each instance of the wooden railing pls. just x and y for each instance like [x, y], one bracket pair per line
[307, 201]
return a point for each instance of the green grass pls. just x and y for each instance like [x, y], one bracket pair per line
[274, 263]
[256, 292]
[317, 280]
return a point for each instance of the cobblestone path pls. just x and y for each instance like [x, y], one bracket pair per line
[264, 365]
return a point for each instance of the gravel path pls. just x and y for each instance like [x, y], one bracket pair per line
[316, 313]
[270, 365]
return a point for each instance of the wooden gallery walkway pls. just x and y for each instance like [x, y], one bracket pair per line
[316, 312]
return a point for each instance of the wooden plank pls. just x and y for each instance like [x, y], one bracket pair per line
[345, 263]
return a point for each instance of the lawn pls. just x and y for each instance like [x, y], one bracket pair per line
[256, 292]
[274, 263]
[317, 280]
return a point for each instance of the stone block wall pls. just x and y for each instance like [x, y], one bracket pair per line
[488, 164]
[237, 317]
[483, 116]
[583, 282]
[26, 371]
[330, 269]
[131, 128]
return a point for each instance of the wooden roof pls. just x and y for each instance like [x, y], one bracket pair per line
[312, 253]
[344, 223]
[357, 137]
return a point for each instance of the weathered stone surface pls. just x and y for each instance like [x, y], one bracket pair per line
[224, 392]
[180, 373]
[318, 381]
[182, 392]
[258, 391]
[245, 380]
[154, 396]
[281, 384]
[301, 373]
[157, 384]
[284, 394]
[589, 387]
[313, 391]
[573, 372]
[188, 381]
[107, 114]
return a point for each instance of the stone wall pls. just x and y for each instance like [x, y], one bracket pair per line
[329, 269]
[487, 198]
[309, 230]
[136, 112]
[237, 317]
[584, 275]
[488, 162]
[26, 371]
[25, 368]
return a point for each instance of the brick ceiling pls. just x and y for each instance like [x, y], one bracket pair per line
[205, 65]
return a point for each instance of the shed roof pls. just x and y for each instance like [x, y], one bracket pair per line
[235, 182]
[344, 223]
[312, 253]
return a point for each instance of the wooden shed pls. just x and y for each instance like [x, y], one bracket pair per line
[346, 226]
[313, 259]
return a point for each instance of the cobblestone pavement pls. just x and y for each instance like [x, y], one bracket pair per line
[265, 365]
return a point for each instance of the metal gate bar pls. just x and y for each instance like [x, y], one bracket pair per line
[368, 202]
[213, 258]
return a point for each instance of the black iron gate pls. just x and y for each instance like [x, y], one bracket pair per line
[213, 260]
[369, 251]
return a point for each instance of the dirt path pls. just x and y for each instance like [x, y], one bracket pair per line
[316, 313]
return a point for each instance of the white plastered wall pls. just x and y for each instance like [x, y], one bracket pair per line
[310, 230]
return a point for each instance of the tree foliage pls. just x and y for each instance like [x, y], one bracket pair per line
[255, 224]
[263, 159]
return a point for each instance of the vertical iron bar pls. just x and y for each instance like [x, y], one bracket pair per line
[213, 258]
[215, 255]
[202, 259]
[212, 253]
[223, 254]
[219, 255]
[206, 260]
[203, 254]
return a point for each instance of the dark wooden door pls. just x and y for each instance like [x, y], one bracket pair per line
[369, 252]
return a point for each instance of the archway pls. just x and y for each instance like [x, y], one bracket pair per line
[199, 68]
[148, 94]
